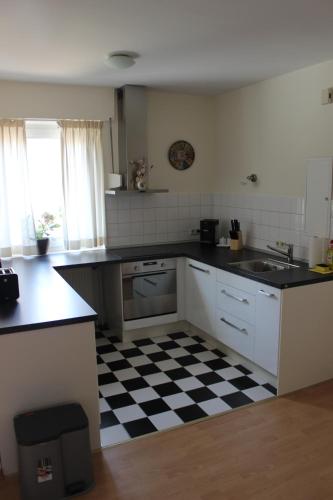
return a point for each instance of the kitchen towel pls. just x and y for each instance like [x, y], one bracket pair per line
[317, 250]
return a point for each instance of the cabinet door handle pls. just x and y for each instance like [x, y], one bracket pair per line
[242, 330]
[267, 294]
[240, 299]
[199, 269]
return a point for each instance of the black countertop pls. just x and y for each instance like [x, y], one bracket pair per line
[47, 300]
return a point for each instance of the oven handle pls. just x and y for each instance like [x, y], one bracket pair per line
[143, 275]
[147, 280]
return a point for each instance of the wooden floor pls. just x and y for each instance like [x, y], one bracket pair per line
[278, 450]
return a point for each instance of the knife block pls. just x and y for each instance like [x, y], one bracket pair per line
[237, 244]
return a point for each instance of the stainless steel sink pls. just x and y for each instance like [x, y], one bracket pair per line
[262, 265]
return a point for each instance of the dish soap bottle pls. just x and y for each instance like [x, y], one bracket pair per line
[330, 255]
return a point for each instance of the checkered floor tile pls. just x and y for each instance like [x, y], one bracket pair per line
[156, 383]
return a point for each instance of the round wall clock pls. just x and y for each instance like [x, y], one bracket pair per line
[181, 155]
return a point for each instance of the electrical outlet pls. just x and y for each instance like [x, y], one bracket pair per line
[327, 96]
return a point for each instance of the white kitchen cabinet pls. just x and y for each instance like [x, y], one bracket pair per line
[264, 324]
[319, 174]
[236, 301]
[200, 283]
[235, 333]
[267, 328]
[248, 318]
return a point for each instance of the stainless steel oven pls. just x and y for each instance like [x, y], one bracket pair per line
[149, 288]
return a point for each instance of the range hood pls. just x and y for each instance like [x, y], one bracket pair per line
[130, 136]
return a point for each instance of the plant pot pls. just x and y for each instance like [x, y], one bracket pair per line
[43, 245]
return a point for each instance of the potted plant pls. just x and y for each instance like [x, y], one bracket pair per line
[45, 225]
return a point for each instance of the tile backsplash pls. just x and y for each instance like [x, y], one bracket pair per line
[141, 219]
[264, 219]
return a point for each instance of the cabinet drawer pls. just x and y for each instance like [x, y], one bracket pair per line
[236, 302]
[234, 333]
[236, 281]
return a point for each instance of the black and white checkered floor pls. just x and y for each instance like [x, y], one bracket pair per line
[156, 383]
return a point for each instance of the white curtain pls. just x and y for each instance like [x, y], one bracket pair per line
[16, 219]
[83, 183]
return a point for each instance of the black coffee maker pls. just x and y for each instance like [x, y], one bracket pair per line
[208, 231]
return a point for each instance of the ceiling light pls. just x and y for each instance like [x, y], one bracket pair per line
[121, 60]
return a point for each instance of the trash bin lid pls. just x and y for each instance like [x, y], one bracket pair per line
[48, 424]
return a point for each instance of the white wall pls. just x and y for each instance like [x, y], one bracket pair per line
[34, 100]
[172, 117]
[270, 128]
[45, 101]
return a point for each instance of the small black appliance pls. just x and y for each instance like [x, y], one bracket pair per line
[208, 231]
[9, 287]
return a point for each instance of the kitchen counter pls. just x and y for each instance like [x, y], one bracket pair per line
[47, 300]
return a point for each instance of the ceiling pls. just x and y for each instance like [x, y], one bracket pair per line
[197, 46]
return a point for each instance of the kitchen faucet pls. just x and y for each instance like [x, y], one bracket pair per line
[289, 253]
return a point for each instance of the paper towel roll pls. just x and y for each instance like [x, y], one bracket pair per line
[317, 250]
[114, 181]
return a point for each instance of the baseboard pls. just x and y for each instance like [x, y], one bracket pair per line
[154, 331]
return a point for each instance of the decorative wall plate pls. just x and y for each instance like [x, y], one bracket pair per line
[181, 155]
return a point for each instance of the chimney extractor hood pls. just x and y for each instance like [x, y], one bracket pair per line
[131, 137]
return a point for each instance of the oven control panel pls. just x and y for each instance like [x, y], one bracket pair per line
[148, 266]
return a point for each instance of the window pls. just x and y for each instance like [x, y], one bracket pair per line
[51, 167]
[45, 176]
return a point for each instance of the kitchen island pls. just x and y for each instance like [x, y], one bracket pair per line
[47, 352]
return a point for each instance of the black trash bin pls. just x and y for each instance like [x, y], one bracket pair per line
[54, 452]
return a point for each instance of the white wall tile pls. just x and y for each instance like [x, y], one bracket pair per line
[172, 213]
[184, 212]
[149, 227]
[195, 199]
[144, 219]
[113, 216]
[124, 201]
[206, 211]
[285, 220]
[136, 201]
[161, 213]
[136, 228]
[136, 214]
[195, 211]
[172, 200]
[123, 216]
[184, 199]
[136, 239]
[124, 229]
[206, 199]
[149, 214]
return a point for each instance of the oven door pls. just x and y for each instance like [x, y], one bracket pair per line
[149, 294]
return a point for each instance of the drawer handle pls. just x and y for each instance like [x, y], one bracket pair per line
[240, 299]
[199, 269]
[242, 330]
[267, 294]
